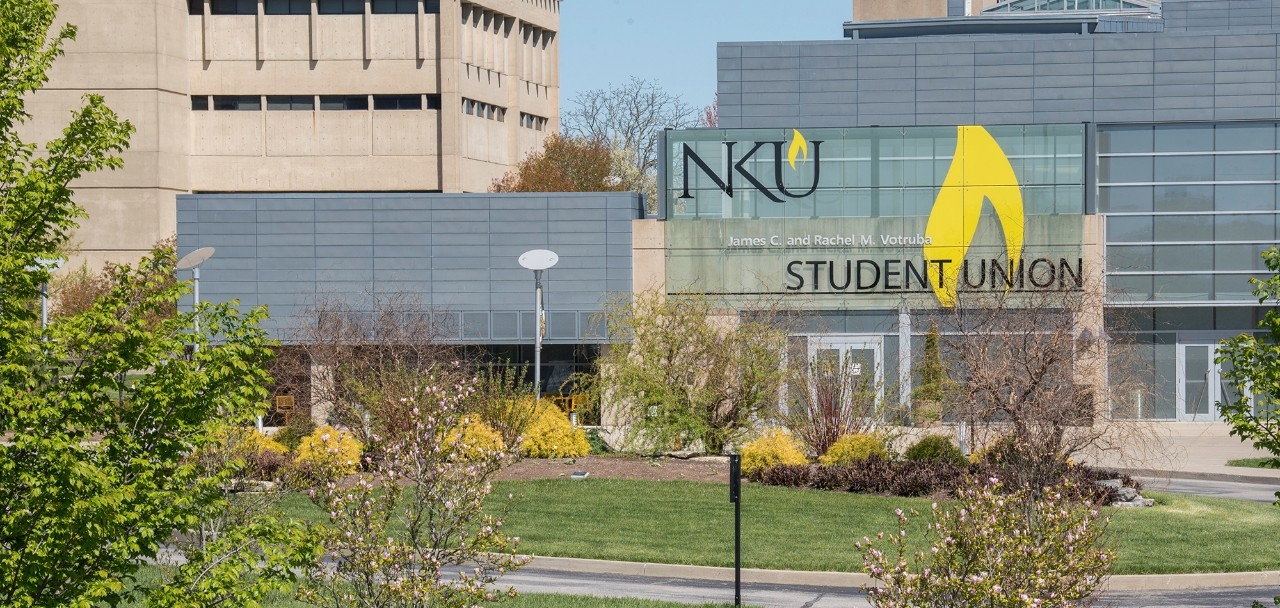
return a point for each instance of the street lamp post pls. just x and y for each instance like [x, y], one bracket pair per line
[538, 260]
[193, 261]
[47, 265]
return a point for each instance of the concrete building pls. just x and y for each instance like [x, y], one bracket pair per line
[300, 95]
[1141, 141]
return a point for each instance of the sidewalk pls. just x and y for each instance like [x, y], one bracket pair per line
[1189, 450]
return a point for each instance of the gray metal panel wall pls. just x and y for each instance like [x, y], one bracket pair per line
[1024, 79]
[455, 253]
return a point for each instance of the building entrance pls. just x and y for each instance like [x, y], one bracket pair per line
[863, 356]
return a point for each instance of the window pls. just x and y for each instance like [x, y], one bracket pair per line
[237, 102]
[431, 6]
[397, 102]
[233, 7]
[195, 7]
[287, 7]
[199, 102]
[395, 7]
[344, 102]
[481, 109]
[341, 7]
[530, 121]
[290, 102]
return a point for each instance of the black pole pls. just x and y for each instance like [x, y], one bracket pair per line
[735, 497]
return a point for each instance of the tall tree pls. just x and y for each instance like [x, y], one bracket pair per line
[565, 164]
[1254, 372]
[629, 117]
[98, 409]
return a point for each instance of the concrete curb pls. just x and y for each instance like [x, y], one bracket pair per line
[1124, 582]
[1204, 476]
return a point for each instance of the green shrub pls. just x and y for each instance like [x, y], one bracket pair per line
[550, 435]
[935, 448]
[854, 448]
[775, 447]
[597, 442]
[327, 454]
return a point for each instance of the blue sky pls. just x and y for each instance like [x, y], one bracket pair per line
[674, 41]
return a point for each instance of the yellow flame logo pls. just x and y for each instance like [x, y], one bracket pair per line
[799, 145]
[980, 171]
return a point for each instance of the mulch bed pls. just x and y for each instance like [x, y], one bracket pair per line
[704, 468]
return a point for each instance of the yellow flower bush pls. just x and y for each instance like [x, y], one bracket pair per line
[775, 447]
[472, 439]
[328, 453]
[854, 448]
[550, 435]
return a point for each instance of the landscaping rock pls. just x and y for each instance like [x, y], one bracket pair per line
[1127, 496]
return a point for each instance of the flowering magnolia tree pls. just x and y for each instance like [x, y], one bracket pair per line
[996, 548]
[431, 482]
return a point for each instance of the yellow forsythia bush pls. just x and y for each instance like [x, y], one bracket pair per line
[850, 449]
[775, 447]
[473, 437]
[328, 453]
[550, 435]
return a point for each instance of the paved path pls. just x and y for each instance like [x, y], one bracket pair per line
[781, 595]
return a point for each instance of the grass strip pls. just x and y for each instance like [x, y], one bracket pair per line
[1254, 463]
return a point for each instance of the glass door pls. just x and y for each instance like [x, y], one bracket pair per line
[862, 356]
[1199, 383]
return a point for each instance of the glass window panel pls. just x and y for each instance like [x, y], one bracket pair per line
[199, 102]
[233, 7]
[1233, 318]
[1183, 138]
[917, 202]
[340, 7]
[1129, 288]
[1129, 257]
[1244, 167]
[195, 7]
[1246, 136]
[1038, 200]
[1244, 227]
[1183, 287]
[829, 203]
[1125, 199]
[395, 7]
[1183, 198]
[1245, 197]
[1183, 168]
[1192, 319]
[1186, 228]
[237, 102]
[286, 7]
[890, 202]
[1183, 257]
[858, 203]
[1070, 199]
[1125, 169]
[1128, 229]
[397, 102]
[1138, 138]
[1233, 287]
[1239, 257]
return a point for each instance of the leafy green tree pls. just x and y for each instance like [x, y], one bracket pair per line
[1252, 367]
[98, 410]
[683, 371]
[930, 395]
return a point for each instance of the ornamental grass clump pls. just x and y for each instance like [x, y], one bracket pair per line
[855, 448]
[775, 447]
[995, 546]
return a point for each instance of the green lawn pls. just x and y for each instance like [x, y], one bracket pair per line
[1255, 463]
[683, 522]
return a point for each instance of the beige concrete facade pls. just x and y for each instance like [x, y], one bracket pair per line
[882, 10]
[480, 80]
